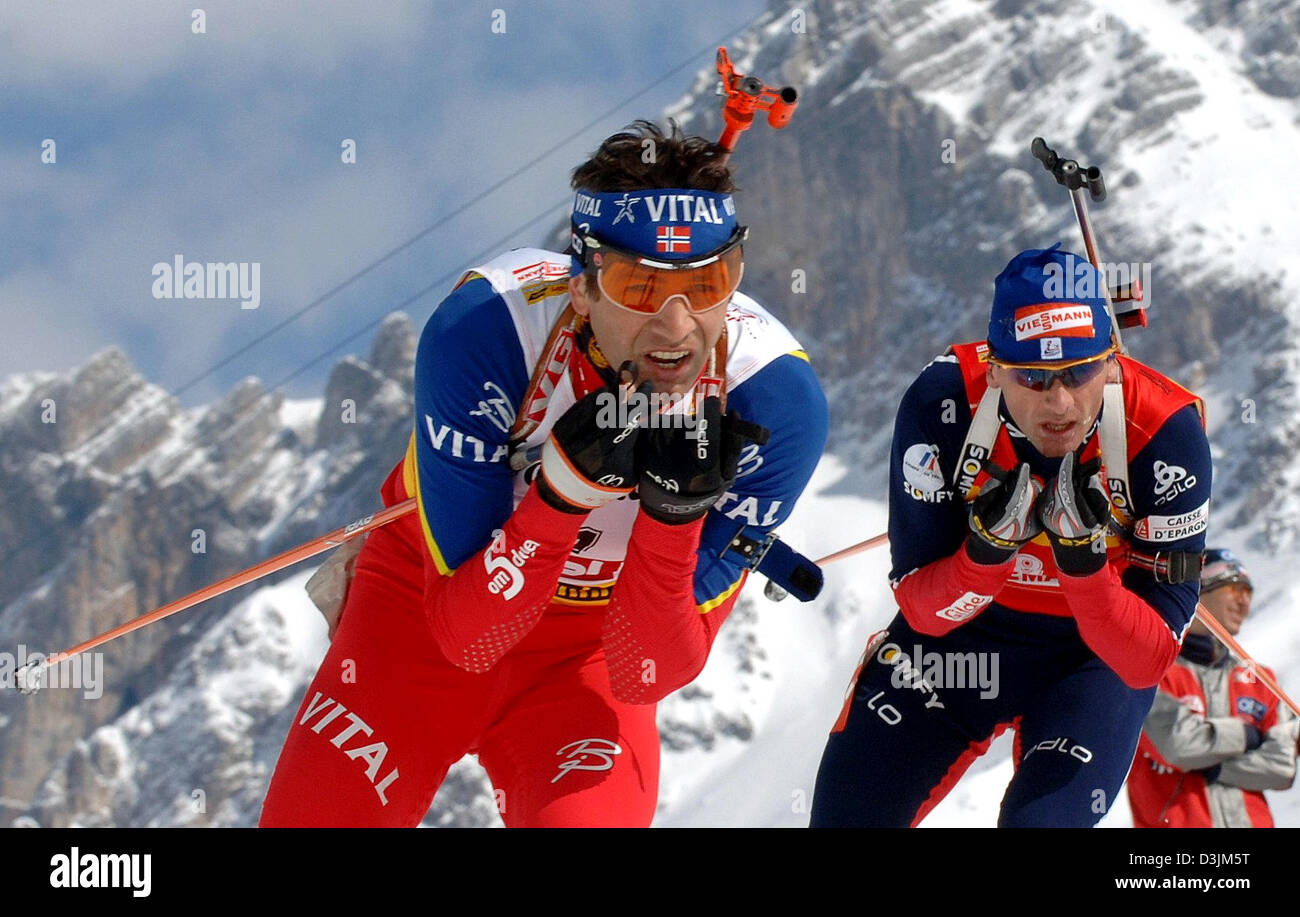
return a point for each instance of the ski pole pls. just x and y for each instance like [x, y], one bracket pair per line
[28, 676]
[1221, 632]
[872, 542]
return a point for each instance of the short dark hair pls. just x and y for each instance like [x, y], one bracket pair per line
[642, 156]
[625, 162]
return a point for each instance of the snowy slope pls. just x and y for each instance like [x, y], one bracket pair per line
[199, 750]
[810, 653]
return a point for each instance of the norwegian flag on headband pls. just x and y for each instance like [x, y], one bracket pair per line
[673, 239]
[669, 224]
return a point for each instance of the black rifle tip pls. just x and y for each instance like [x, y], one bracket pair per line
[1096, 186]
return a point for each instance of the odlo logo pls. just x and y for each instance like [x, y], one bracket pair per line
[506, 571]
[1171, 480]
[702, 440]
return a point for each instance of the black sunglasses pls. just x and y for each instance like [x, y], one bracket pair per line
[1040, 380]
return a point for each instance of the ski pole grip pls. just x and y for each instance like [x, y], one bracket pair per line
[1096, 187]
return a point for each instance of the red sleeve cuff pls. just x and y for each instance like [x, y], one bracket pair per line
[662, 542]
[947, 593]
[543, 522]
[1125, 632]
[492, 600]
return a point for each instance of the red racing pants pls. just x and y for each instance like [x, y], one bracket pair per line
[387, 715]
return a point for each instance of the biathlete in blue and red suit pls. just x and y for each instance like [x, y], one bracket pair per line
[1047, 510]
[569, 563]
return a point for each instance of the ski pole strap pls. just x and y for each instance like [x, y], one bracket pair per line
[1169, 566]
[767, 554]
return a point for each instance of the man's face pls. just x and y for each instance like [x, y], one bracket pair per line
[1229, 604]
[1058, 418]
[669, 347]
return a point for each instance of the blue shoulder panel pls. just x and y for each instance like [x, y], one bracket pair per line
[927, 518]
[469, 376]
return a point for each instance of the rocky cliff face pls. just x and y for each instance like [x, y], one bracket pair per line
[117, 502]
[904, 185]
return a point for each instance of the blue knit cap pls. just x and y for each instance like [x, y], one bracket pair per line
[1049, 309]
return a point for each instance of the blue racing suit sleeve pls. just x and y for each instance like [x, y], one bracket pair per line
[1171, 480]
[469, 376]
[927, 518]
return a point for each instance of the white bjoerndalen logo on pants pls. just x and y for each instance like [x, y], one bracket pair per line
[587, 755]
[964, 607]
[506, 571]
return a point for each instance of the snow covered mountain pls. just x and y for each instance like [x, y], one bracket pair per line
[118, 501]
[901, 188]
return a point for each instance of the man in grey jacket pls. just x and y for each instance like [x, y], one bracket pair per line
[1215, 738]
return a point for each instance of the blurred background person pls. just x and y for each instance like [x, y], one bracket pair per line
[1215, 738]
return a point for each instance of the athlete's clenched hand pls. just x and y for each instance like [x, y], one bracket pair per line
[1002, 517]
[686, 471]
[1075, 511]
[590, 457]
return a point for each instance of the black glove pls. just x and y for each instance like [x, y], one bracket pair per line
[1075, 512]
[589, 458]
[1210, 774]
[685, 471]
[1002, 517]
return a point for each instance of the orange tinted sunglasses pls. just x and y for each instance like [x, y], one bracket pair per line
[641, 284]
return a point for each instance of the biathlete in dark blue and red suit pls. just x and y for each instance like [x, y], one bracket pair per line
[1048, 506]
[569, 565]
